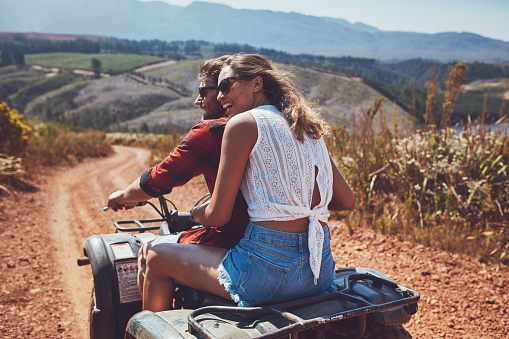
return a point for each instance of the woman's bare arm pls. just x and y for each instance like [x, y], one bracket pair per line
[342, 195]
[239, 137]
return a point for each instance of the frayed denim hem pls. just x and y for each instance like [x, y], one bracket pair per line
[224, 280]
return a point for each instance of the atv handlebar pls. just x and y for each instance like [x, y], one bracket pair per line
[141, 203]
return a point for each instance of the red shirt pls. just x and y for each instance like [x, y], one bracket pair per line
[197, 154]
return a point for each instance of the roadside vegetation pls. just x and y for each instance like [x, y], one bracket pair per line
[440, 186]
[159, 144]
[27, 146]
[55, 144]
[14, 134]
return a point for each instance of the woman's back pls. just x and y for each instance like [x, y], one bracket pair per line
[282, 173]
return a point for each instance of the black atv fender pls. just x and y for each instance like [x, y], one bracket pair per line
[114, 262]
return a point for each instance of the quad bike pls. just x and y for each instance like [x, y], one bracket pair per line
[368, 304]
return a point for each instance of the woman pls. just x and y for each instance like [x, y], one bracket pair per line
[273, 150]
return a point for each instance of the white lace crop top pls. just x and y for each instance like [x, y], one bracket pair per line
[279, 179]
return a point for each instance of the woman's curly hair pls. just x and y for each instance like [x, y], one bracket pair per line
[303, 116]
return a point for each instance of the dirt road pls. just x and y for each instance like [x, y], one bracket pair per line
[44, 294]
[79, 195]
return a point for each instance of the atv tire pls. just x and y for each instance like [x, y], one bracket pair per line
[376, 331]
[352, 328]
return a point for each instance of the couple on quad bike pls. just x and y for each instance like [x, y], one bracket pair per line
[264, 236]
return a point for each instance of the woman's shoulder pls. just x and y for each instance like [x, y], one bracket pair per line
[267, 114]
[241, 130]
[250, 119]
[242, 121]
[265, 109]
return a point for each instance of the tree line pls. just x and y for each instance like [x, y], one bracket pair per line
[415, 71]
[11, 58]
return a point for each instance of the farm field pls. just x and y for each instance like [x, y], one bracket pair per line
[110, 63]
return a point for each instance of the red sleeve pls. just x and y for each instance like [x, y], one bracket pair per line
[195, 155]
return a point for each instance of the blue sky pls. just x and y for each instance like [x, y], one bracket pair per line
[489, 18]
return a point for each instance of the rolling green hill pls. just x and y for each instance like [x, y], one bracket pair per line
[160, 96]
[125, 103]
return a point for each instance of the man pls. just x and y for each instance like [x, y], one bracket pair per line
[197, 154]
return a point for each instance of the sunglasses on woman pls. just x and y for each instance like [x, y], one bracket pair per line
[203, 90]
[225, 84]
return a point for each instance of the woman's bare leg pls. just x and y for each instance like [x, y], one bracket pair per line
[142, 260]
[142, 263]
[194, 265]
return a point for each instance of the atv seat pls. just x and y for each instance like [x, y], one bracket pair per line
[214, 300]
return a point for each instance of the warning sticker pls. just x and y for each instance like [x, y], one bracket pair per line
[122, 251]
[127, 274]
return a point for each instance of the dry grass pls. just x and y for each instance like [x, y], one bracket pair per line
[54, 144]
[447, 188]
[444, 189]
[160, 144]
[11, 170]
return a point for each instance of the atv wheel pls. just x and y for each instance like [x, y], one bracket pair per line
[358, 328]
[377, 331]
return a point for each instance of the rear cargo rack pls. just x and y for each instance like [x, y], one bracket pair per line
[141, 222]
[141, 225]
[408, 301]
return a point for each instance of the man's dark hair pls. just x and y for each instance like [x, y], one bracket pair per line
[211, 68]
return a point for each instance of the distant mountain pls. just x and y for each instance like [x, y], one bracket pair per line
[290, 32]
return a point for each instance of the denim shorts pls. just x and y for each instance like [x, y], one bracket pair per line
[273, 266]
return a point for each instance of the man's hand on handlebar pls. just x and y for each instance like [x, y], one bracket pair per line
[117, 207]
[128, 198]
[116, 201]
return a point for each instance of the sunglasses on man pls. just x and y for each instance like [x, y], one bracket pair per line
[203, 90]
[225, 84]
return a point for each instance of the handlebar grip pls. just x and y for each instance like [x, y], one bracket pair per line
[141, 203]
[180, 221]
